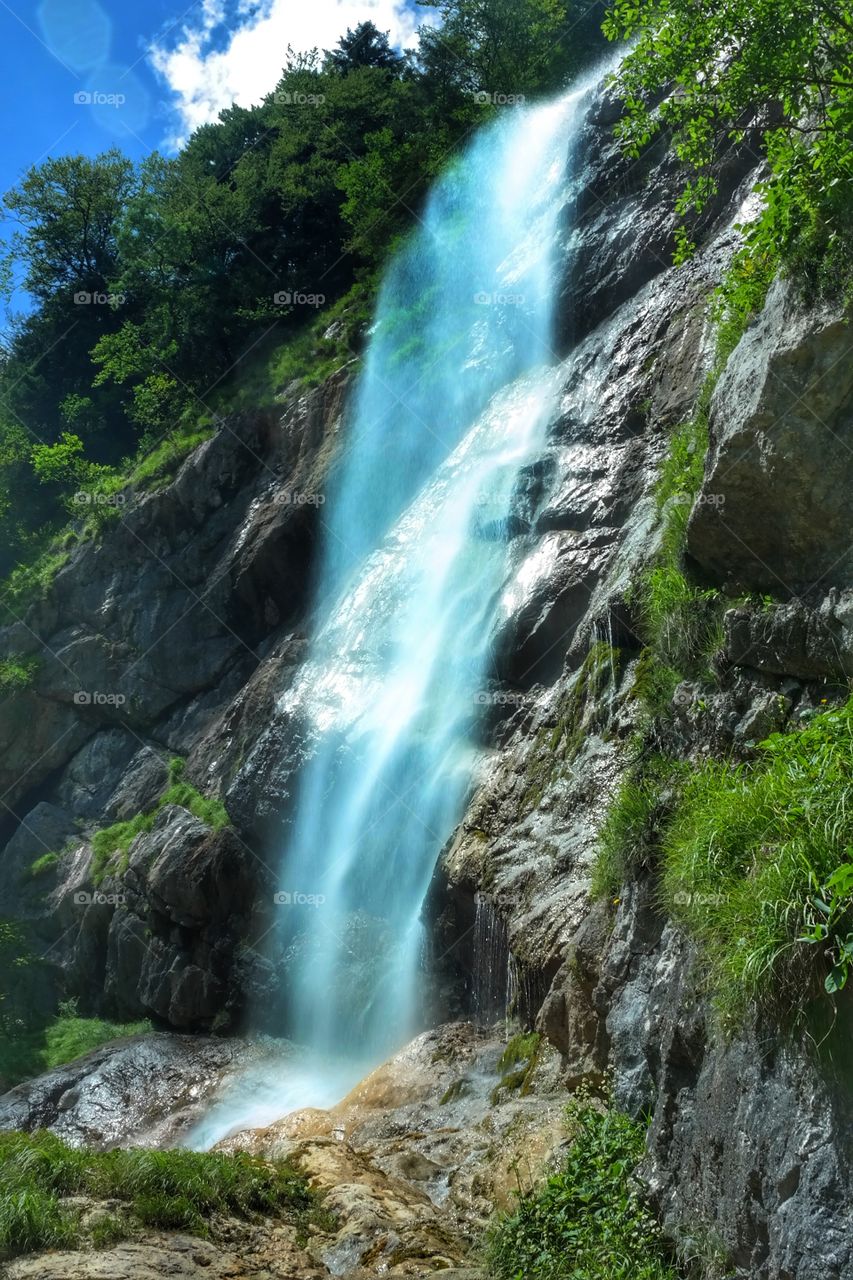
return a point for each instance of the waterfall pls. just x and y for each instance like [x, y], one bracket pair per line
[457, 388]
[458, 384]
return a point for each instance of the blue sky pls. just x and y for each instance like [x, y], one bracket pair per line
[85, 75]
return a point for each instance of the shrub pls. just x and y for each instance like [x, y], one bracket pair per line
[16, 672]
[589, 1221]
[117, 839]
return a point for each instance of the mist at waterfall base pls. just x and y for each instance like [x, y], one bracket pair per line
[457, 386]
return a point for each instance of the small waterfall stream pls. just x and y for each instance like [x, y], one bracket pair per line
[458, 385]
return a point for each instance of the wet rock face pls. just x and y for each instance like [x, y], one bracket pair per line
[774, 511]
[175, 634]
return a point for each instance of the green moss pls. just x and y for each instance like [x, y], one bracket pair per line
[42, 865]
[111, 846]
[457, 1090]
[757, 868]
[589, 1221]
[517, 1063]
[169, 1189]
[579, 713]
[681, 618]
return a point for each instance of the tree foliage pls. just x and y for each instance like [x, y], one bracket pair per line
[783, 64]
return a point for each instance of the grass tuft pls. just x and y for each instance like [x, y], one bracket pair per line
[169, 1189]
[757, 868]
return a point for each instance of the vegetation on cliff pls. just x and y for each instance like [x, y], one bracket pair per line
[589, 1221]
[780, 65]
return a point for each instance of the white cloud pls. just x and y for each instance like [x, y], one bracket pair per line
[204, 79]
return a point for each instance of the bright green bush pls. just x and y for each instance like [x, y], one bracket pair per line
[589, 1221]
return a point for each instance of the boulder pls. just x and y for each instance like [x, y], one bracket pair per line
[773, 513]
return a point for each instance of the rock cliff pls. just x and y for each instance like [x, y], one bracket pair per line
[177, 633]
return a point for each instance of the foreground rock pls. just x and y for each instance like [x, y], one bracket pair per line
[411, 1165]
[147, 1090]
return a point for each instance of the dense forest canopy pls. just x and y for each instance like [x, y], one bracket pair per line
[162, 289]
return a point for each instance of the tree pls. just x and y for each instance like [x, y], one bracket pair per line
[786, 62]
[366, 46]
[67, 211]
[511, 47]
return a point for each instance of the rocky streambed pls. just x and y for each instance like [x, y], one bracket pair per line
[411, 1165]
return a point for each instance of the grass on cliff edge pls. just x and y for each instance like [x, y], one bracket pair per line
[589, 1221]
[757, 865]
[114, 842]
[169, 1189]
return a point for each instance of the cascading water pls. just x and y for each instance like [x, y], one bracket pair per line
[458, 384]
[417, 537]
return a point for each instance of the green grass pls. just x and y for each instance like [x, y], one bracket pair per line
[305, 358]
[111, 845]
[42, 865]
[589, 1221]
[168, 1189]
[28, 583]
[69, 1037]
[634, 823]
[682, 619]
[754, 855]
